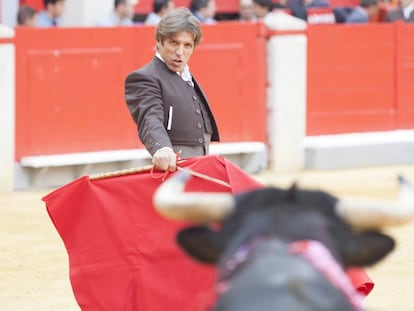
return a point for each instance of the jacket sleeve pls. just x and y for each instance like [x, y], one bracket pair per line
[143, 96]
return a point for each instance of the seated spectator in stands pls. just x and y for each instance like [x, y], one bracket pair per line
[159, 9]
[204, 10]
[50, 16]
[405, 12]
[246, 11]
[263, 7]
[319, 12]
[121, 15]
[363, 13]
[297, 9]
[316, 3]
[341, 13]
[26, 16]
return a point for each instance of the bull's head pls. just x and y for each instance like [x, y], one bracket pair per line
[282, 212]
[349, 229]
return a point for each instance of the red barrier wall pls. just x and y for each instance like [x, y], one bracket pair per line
[70, 85]
[351, 79]
[405, 75]
[70, 82]
[360, 78]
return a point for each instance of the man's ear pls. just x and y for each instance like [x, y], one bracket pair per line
[367, 248]
[201, 243]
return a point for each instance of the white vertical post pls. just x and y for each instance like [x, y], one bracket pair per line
[79, 13]
[8, 11]
[286, 94]
[7, 109]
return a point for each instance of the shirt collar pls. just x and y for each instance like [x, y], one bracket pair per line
[185, 75]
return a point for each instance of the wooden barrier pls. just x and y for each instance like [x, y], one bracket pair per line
[360, 78]
[70, 85]
[351, 79]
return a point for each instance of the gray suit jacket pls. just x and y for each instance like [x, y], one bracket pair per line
[167, 110]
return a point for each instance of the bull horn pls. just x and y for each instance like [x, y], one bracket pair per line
[364, 214]
[172, 202]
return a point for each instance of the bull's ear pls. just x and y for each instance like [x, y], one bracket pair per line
[201, 243]
[367, 248]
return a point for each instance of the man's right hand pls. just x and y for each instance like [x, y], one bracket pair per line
[164, 159]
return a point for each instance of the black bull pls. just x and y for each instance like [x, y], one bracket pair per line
[279, 249]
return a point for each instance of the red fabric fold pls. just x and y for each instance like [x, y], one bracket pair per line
[123, 255]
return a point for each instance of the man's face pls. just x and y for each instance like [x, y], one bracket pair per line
[32, 22]
[260, 11]
[131, 8]
[246, 9]
[176, 50]
[210, 10]
[170, 6]
[126, 10]
[373, 11]
[57, 8]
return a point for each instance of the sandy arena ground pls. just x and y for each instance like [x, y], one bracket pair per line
[34, 265]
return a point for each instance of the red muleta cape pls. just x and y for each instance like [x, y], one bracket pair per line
[122, 253]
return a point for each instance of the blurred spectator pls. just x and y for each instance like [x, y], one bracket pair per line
[50, 16]
[341, 13]
[26, 16]
[121, 15]
[159, 9]
[204, 10]
[297, 9]
[405, 12]
[246, 11]
[263, 7]
[363, 13]
[316, 3]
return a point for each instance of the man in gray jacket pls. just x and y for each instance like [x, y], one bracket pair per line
[166, 102]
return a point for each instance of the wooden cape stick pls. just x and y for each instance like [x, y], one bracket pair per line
[131, 171]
